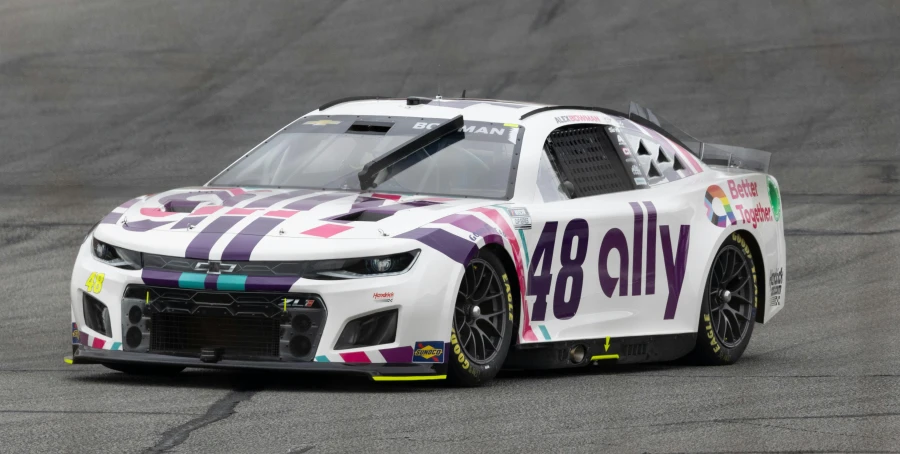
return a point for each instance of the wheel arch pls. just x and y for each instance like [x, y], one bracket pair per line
[509, 267]
[760, 266]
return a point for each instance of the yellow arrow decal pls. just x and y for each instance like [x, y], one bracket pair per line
[606, 347]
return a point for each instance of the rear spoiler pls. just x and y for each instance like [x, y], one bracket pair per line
[710, 153]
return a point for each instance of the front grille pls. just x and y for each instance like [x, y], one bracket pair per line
[215, 325]
[235, 336]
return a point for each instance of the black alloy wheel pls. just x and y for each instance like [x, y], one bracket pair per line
[730, 293]
[482, 325]
[728, 309]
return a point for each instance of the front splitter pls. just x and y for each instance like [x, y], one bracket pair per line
[376, 371]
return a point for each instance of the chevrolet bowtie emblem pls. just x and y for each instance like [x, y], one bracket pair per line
[322, 122]
[215, 267]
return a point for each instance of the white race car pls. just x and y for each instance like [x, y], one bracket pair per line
[422, 239]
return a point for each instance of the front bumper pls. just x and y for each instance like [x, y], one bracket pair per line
[423, 298]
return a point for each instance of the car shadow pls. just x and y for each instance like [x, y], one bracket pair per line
[286, 381]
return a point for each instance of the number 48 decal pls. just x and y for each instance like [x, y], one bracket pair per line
[95, 282]
[574, 252]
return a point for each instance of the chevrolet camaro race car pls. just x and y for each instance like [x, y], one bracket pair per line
[421, 239]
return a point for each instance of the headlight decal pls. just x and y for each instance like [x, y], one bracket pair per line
[115, 256]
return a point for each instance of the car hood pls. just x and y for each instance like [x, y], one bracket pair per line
[187, 218]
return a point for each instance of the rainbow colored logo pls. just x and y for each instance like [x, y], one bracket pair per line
[715, 192]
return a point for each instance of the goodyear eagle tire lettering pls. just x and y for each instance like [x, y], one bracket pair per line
[465, 368]
[728, 309]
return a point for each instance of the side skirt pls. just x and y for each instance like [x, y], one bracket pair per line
[621, 350]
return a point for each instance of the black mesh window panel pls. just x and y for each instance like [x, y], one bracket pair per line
[584, 155]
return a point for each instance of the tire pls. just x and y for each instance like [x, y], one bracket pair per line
[480, 338]
[145, 370]
[728, 311]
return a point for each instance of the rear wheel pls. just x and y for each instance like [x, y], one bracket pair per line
[146, 370]
[728, 311]
[482, 325]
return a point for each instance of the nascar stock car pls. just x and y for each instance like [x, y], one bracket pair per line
[422, 239]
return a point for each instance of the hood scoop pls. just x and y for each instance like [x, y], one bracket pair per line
[363, 216]
[181, 206]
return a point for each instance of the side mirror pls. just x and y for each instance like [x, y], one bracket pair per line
[568, 188]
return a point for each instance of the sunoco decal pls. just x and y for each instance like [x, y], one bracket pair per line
[429, 352]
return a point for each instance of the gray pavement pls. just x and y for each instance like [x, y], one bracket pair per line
[104, 100]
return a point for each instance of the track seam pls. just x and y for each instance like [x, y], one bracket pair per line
[219, 410]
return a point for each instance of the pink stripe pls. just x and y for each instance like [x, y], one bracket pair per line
[494, 215]
[241, 211]
[282, 213]
[207, 209]
[387, 196]
[98, 343]
[355, 357]
[156, 212]
[236, 191]
[327, 230]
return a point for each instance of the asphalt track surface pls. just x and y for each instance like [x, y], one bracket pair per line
[104, 100]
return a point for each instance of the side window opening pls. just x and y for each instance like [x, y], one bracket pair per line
[586, 161]
[548, 182]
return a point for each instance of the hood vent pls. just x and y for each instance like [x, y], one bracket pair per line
[180, 206]
[364, 216]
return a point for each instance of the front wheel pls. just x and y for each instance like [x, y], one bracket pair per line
[482, 325]
[728, 311]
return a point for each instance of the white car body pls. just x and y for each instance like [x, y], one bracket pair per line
[642, 255]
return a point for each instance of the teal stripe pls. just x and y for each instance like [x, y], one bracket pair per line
[229, 282]
[525, 248]
[544, 330]
[116, 346]
[191, 280]
[322, 359]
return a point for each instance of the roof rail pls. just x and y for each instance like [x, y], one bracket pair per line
[595, 109]
[351, 99]
[632, 116]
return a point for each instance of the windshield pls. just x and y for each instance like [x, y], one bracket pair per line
[328, 152]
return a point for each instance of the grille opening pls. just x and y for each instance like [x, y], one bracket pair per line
[677, 165]
[373, 329]
[585, 156]
[654, 171]
[96, 315]
[236, 336]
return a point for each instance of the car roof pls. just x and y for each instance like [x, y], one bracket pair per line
[472, 109]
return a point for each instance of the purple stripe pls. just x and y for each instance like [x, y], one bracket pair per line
[242, 245]
[111, 218]
[145, 225]
[397, 354]
[651, 248]
[205, 240]
[314, 201]
[267, 202]
[269, 283]
[391, 209]
[187, 221]
[363, 202]
[225, 196]
[160, 278]
[473, 224]
[446, 243]
[638, 248]
[210, 282]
